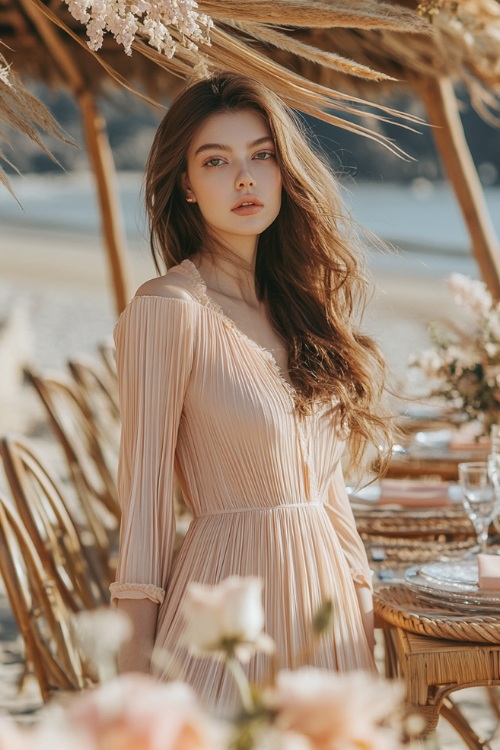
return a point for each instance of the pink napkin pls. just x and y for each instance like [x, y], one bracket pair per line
[413, 494]
[489, 571]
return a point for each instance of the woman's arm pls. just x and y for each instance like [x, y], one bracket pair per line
[154, 345]
[365, 601]
[340, 511]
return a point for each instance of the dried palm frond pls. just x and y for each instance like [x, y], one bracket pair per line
[323, 57]
[23, 112]
[242, 47]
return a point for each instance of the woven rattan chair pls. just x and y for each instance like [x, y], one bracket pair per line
[89, 468]
[437, 651]
[99, 391]
[40, 612]
[106, 350]
[65, 543]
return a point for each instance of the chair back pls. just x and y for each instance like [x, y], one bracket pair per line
[43, 618]
[88, 463]
[99, 393]
[57, 527]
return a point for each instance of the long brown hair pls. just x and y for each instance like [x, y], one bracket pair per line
[309, 261]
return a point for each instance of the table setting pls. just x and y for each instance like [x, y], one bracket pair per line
[454, 592]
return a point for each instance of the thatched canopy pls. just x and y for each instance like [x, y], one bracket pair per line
[329, 58]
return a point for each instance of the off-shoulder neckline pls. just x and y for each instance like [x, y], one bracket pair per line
[200, 295]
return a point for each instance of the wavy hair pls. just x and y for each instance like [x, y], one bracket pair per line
[309, 268]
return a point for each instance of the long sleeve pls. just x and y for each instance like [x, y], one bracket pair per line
[340, 512]
[154, 347]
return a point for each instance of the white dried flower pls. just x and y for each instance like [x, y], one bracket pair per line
[146, 18]
[470, 293]
[431, 363]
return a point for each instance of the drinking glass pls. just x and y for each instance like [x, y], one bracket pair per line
[495, 438]
[480, 497]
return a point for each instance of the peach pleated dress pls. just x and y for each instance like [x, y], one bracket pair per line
[202, 401]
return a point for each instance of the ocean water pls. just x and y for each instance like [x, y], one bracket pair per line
[421, 216]
[422, 220]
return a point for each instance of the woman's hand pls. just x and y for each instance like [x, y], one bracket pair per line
[135, 654]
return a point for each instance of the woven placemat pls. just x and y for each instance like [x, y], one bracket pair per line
[398, 606]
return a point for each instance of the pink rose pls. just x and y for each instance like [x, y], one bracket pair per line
[337, 711]
[133, 712]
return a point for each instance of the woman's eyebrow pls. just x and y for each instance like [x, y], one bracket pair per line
[222, 147]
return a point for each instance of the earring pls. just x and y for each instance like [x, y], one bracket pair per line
[189, 200]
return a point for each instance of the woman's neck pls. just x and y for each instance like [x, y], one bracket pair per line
[234, 279]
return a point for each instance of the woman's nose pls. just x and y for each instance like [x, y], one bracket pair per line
[245, 178]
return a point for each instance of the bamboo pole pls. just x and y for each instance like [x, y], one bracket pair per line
[99, 152]
[105, 176]
[442, 110]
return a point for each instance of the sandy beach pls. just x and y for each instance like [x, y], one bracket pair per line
[55, 302]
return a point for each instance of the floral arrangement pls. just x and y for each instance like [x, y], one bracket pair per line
[157, 22]
[464, 366]
[308, 709]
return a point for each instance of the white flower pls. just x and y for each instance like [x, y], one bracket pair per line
[431, 363]
[147, 18]
[336, 711]
[225, 618]
[471, 294]
[99, 634]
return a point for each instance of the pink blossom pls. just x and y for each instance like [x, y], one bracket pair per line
[336, 711]
[133, 712]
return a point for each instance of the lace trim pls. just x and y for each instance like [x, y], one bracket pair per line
[137, 591]
[188, 268]
[200, 289]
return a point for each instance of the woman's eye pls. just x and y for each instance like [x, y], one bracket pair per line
[263, 155]
[215, 162]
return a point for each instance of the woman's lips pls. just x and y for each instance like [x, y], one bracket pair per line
[247, 210]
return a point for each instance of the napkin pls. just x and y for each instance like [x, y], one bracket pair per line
[413, 494]
[488, 569]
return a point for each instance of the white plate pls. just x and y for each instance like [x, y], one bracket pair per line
[463, 595]
[455, 573]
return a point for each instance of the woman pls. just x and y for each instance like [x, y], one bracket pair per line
[241, 371]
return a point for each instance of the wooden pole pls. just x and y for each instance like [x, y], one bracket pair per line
[99, 152]
[442, 109]
[105, 176]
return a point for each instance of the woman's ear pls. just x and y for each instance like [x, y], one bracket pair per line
[186, 188]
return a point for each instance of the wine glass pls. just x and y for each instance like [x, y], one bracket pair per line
[480, 483]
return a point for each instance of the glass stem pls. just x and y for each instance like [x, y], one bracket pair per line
[482, 539]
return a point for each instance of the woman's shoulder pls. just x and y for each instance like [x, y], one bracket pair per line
[175, 284]
[170, 295]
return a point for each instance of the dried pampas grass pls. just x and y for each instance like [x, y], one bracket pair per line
[22, 111]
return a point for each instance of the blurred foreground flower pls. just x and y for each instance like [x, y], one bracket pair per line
[464, 367]
[309, 709]
[226, 619]
[100, 634]
[337, 711]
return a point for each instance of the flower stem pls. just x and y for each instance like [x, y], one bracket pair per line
[242, 684]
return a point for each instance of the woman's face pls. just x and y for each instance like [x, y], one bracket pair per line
[233, 176]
